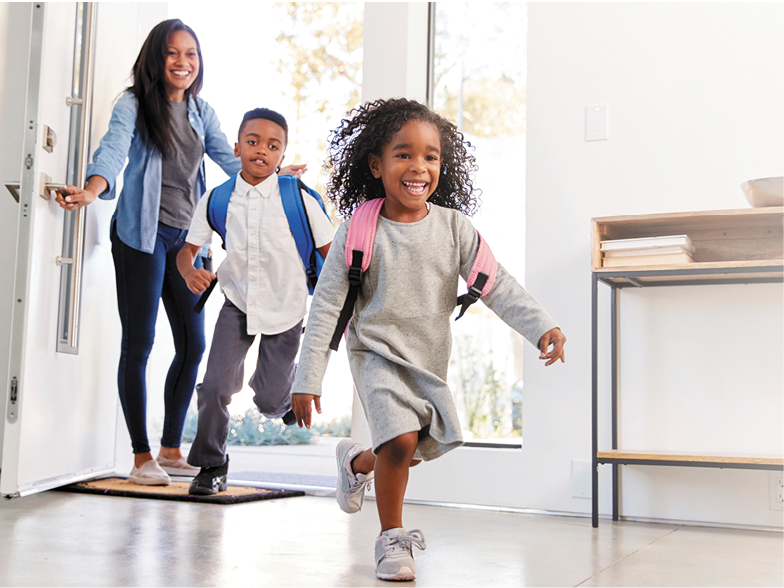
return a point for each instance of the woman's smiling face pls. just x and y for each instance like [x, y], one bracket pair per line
[182, 64]
[409, 167]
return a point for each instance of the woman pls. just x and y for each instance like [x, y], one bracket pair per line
[164, 130]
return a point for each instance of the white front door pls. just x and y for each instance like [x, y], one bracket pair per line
[58, 377]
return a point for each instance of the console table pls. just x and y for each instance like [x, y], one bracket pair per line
[731, 247]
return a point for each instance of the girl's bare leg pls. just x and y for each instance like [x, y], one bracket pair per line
[365, 462]
[391, 478]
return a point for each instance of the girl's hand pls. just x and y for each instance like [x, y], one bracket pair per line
[71, 197]
[555, 338]
[300, 404]
[199, 280]
[295, 170]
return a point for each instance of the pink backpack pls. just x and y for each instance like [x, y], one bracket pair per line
[359, 250]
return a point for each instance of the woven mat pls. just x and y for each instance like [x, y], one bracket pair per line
[176, 491]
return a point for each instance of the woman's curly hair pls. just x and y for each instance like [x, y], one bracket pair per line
[368, 129]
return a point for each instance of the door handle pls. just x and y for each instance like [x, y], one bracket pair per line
[84, 103]
[13, 187]
[46, 188]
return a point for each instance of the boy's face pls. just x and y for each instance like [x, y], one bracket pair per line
[260, 149]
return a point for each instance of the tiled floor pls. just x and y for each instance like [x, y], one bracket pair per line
[63, 539]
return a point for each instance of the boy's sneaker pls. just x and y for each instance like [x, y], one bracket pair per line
[210, 480]
[394, 560]
[351, 487]
[289, 418]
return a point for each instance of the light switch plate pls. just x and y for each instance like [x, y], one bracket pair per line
[596, 123]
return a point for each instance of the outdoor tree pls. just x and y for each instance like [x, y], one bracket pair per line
[483, 97]
[479, 392]
[322, 55]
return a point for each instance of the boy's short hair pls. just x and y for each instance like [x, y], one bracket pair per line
[266, 114]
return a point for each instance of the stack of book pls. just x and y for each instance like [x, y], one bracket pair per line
[669, 250]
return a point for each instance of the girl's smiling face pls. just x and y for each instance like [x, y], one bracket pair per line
[409, 167]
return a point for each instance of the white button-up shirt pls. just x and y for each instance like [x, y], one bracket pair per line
[262, 274]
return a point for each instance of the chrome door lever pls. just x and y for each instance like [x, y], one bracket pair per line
[46, 187]
[13, 187]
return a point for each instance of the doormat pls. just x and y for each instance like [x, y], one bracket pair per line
[176, 491]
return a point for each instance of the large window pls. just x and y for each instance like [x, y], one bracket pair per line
[479, 83]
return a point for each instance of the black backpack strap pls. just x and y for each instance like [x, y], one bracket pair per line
[354, 280]
[204, 295]
[473, 294]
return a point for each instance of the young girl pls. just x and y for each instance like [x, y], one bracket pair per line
[399, 337]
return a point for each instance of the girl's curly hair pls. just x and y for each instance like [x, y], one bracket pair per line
[368, 129]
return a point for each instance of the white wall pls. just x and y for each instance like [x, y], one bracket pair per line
[695, 94]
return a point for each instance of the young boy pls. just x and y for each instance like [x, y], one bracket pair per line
[264, 281]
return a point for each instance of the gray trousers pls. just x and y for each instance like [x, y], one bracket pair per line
[271, 382]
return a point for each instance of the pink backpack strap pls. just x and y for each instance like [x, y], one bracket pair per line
[359, 250]
[362, 231]
[481, 277]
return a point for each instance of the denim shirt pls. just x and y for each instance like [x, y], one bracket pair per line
[136, 215]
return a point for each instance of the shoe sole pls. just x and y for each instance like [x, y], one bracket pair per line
[181, 472]
[342, 449]
[403, 575]
[142, 482]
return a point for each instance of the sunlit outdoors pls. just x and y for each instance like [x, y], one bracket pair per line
[306, 62]
[480, 85]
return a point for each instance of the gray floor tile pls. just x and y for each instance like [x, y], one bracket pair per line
[63, 539]
[697, 556]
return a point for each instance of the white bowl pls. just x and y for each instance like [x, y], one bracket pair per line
[764, 192]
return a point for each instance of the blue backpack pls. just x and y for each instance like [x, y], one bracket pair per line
[291, 189]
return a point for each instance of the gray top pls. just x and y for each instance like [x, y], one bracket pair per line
[179, 189]
[399, 338]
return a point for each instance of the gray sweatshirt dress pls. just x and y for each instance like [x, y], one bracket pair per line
[399, 338]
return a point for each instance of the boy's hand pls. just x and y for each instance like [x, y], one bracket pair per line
[199, 280]
[555, 338]
[71, 197]
[295, 170]
[300, 404]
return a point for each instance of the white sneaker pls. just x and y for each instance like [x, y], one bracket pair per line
[394, 560]
[149, 473]
[177, 467]
[351, 487]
